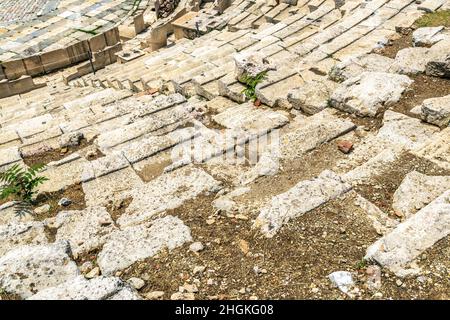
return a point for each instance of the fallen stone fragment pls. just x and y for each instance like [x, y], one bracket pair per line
[136, 283]
[312, 96]
[345, 146]
[409, 239]
[64, 202]
[367, 94]
[354, 66]
[154, 295]
[100, 288]
[302, 198]
[31, 268]
[343, 280]
[373, 273]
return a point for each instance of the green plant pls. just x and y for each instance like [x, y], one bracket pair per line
[20, 184]
[251, 83]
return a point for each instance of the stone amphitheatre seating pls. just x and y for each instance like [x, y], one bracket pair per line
[163, 122]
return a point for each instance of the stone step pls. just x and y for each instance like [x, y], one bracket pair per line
[310, 194]
[409, 239]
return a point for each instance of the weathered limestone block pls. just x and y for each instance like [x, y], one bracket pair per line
[419, 232]
[9, 215]
[436, 111]
[99, 288]
[16, 234]
[29, 269]
[427, 36]
[354, 66]
[302, 198]
[9, 155]
[313, 131]
[135, 243]
[370, 92]
[312, 96]
[439, 67]
[416, 191]
[250, 65]
[438, 151]
[406, 131]
[410, 61]
[85, 230]
[168, 191]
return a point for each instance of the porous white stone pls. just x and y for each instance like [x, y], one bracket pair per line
[131, 244]
[416, 191]
[31, 268]
[353, 66]
[85, 230]
[100, 288]
[409, 239]
[302, 198]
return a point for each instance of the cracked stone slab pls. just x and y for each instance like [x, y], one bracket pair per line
[312, 96]
[31, 268]
[354, 66]
[99, 288]
[85, 230]
[168, 191]
[139, 242]
[416, 191]
[438, 151]
[435, 111]
[16, 234]
[406, 131]
[111, 187]
[9, 156]
[409, 239]
[302, 198]
[367, 94]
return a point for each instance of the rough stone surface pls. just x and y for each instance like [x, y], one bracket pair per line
[409, 132]
[166, 192]
[436, 111]
[370, 92]
[419, 232]
[85, 230]
[342, 279]
[354, 66]
[427, 36]
[127, 246]
[250, 65]
[101, 288]
[416, 191]
[300, 199]
[311, 97]
[28, 269]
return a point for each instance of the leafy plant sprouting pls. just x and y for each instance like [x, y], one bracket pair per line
[251, 83]
[20, 184]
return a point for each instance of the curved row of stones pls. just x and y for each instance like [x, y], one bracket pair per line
[28, 27]
[320, 62]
